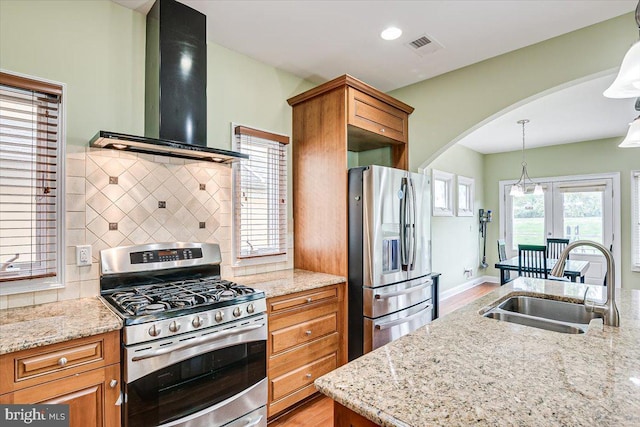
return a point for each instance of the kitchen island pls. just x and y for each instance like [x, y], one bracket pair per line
[465, 369]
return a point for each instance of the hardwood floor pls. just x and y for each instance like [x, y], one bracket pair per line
[318, 412]
[464, 298]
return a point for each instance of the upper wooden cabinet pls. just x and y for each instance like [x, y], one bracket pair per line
[372, 118]
[330, 120]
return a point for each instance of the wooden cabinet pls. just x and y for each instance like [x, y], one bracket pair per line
[82, 373]
[330, 120]
[306, 340]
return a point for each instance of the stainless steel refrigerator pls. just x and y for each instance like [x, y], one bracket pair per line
[390, 284]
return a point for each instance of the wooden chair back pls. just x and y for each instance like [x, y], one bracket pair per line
[555, 247]
[532, 261]
[502, 250]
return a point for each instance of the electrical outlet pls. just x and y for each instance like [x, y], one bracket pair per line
[83, 255]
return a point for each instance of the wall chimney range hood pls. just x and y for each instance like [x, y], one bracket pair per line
[175, 90]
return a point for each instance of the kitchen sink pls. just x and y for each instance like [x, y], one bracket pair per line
[552, 315]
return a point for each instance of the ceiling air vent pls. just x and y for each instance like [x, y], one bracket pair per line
[418, 43]
[424, 45]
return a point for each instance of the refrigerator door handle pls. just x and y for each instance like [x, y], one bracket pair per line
[412, 191]
[403, 224]
[391, 324]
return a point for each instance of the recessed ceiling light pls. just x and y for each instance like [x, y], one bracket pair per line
[391, 33]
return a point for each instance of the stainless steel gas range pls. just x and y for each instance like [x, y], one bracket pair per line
[193, 345]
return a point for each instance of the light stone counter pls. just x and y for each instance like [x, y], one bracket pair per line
[27, 327]
[465, 369]
[285, 282]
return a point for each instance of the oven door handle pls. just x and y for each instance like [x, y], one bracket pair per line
[254, 422]
[387, 325]
[407, 291]
[198, 341]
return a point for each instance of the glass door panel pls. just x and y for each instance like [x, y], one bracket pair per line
[583, 211]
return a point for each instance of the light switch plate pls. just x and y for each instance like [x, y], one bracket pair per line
[83, 255]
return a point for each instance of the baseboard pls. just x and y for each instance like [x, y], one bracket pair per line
[468, 285]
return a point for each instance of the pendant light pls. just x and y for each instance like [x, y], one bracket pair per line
[520, 188]
[632, 140]
[627, 83]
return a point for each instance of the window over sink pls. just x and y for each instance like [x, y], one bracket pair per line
[31, 184]
[259, 197]
[635, 220]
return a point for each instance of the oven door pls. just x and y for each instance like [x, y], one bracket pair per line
[213, 377]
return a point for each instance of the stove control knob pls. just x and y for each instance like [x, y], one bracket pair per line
[250, 308]
[237, 312]
[154, 331]
[219, 316]
[197, 322]
[174, 327]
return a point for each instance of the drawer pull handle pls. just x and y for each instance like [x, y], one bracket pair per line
[382, 130]
[308, 333]
[113, 383]
[309, 299]
[62, 361]
[308, 375]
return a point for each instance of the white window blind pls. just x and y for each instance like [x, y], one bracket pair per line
[29, 175]
[260, 192]
[635, 220]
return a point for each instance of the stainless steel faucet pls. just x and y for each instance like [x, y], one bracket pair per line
[609, 310]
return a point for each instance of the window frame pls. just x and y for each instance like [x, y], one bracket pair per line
[53, 282]
[635, 220]
[464, 181]
[258, 259]
[447, 178]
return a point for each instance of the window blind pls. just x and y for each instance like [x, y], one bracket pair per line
[29, 173]
[635, 220]
[260, 188]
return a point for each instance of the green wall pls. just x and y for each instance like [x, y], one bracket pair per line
[570, 159]
[97, 49]
[449, 105]
[455, 241]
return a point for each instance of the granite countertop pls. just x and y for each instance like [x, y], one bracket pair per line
[285, 282]
[465, 369]
[35, 326]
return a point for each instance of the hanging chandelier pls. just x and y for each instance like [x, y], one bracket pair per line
[524, 183]
[627, 83]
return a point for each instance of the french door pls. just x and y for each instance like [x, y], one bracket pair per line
[575, 209]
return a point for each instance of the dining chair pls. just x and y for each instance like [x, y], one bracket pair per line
[502, 256]
[502, 250]
[532, 261]
[555, 247]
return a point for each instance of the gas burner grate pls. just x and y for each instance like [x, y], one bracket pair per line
[150, 299]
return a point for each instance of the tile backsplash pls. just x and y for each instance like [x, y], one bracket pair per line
[117, 198]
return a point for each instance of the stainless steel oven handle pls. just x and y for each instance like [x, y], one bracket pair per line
[402, 292]
[198, 341]
[254, 422]
[387, 325]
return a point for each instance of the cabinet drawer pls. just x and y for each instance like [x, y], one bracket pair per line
[301, 377]
[304, 332]
[369, 113]
[48, 362]
[302, 300]
[302, 355]
[34, 366]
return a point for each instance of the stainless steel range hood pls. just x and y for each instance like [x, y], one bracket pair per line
[175, 90]
[163, 147]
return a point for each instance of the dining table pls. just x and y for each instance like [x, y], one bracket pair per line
[573, 269]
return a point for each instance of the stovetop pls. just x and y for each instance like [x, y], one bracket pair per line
[139, 304]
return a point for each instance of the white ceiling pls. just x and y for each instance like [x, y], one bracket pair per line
[572, 114]
[320, 40]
